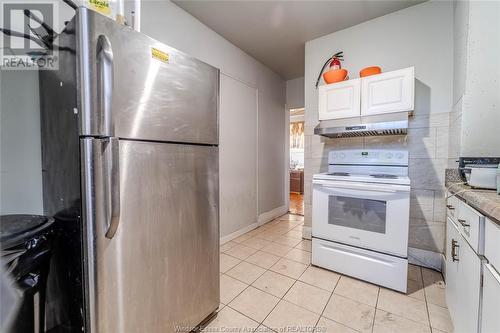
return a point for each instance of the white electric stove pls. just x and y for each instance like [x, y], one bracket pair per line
[360, 216]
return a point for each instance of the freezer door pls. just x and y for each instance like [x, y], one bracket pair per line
[159, 270]
[137, 88]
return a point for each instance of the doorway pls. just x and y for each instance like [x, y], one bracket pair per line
[296, 165]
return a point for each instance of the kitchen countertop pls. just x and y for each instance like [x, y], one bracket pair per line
[485, 201]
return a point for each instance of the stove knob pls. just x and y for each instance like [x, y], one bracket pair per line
[342, 155]
[388, 156]
[399, 155]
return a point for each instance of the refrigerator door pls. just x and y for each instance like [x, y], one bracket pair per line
[137, 88]
[159, 271]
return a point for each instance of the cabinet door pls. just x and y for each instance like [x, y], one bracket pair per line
[452, 253]
[490, 319]
[468, 289]
[388, 92]
[340, 100]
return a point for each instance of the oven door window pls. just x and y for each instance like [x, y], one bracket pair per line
[357, 213]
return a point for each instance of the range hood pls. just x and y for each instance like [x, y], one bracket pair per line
[399, 127]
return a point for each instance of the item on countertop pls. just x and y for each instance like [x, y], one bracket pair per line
[372, 70]
[334, 62]
[463, 161]
[335, 75]
[481, 175]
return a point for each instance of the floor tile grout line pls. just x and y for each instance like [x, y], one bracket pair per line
[279, 300]
[322, 313]
[282, 298]
[251, 284]
[403, 317]
[294, 283]
[376, 308]
[425, 298]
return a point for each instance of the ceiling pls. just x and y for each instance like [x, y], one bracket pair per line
[275, 32]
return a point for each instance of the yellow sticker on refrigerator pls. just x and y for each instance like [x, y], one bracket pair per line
[160, 55]
[100, 6]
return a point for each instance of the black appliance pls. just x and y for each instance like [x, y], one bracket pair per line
[26, 248]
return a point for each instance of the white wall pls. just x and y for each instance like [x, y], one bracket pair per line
[170, 24]
[238, 186]
[20, 154]
[419, 36]
[481, 103]
[460, 37]
[295, 93]
[476, 86]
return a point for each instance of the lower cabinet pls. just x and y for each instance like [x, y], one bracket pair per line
[452, 246]
[463, 279]
[490, 319]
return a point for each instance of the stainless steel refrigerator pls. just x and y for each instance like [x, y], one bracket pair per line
[130, 161]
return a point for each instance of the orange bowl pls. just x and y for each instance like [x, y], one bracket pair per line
[335, 75]
[367, 71]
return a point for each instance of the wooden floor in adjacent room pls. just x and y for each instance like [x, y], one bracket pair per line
[297, 203]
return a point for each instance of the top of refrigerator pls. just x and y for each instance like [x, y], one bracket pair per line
[134, 87]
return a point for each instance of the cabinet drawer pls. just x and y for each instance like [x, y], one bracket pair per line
[391, 271]
[452, 205]
[471, 226]
[492, 243]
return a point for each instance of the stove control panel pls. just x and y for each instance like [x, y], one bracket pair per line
[368, 156]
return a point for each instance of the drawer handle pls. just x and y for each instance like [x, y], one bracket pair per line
[454, 246]
[464, 223]
[450, 207]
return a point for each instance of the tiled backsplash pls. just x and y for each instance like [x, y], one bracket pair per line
[427, 143]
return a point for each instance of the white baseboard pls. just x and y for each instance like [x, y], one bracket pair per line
[426, 258]
[272, 214]
[263, 219]
[306, 232]
[238, 233]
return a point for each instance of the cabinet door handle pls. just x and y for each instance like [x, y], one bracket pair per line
[454, 246]
[463, 223]
[450, 207]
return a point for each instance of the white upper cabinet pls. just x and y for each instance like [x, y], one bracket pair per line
[340, 100]
[377, 94]
[388, 92]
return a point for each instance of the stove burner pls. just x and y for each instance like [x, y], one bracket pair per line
[339, 174]
[383, 175]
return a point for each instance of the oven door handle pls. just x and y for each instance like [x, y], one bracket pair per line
[388, 188]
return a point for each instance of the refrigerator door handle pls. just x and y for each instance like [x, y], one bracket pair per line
[105, 86]
[112, 166]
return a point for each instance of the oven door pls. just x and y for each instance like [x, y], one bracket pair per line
[370, 216]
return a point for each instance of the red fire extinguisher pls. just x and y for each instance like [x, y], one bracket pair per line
[334, 64]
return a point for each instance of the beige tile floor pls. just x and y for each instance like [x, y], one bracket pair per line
[268, 284]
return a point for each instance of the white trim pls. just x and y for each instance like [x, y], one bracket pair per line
[306, 232]
[257, 175]
[238, 233]
[272, 214]
[263, 219]
[287, 159]
[426, 258]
